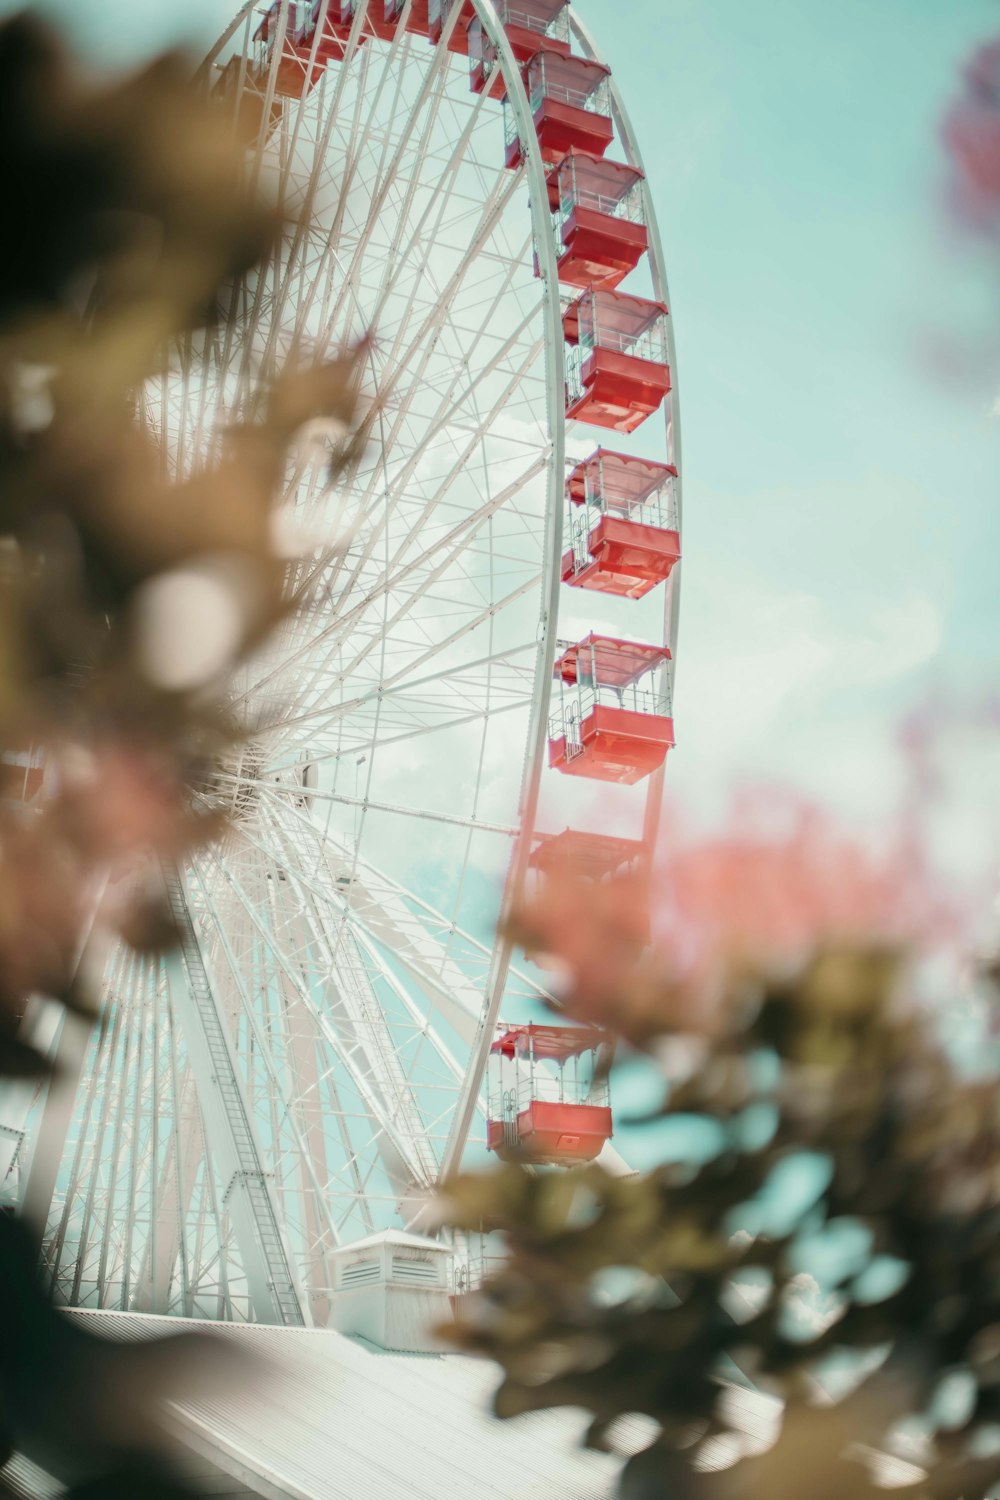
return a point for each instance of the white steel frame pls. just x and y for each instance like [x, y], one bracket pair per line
[312, 1064]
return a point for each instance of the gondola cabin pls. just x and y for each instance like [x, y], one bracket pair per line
[299, 66]
[570, 104]
[334, 29]
[599, 218]
[617, 369]
[529, 25]
[598, 874]
[563, 871]
[610, 721]
[382, 18]
[584, 855]
[603, 881]
[438, 13]
[622, 524]
[548, 1098]
[419, 21]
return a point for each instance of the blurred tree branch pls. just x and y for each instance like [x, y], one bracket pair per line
[827, 1200]
[129, 226]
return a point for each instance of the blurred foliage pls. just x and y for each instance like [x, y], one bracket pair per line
[838, 1212]
[971, 132]
[133, 227]
[129, 231]
[970, 136]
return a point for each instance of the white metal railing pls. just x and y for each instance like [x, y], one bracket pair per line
[581, 524]
[651, 344]
[572, 1082]
[562, 1085]
[469, 1274]
[572, 728]
[657, 509]
[576, 701]
[501, 1103]
[627, 206]
[596, 99]
[515, 15]
[574, 373]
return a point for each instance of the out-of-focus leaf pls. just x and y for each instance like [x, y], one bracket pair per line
[643, 1300]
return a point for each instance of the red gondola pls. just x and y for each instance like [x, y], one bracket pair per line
[419, 19]
[530, 25]
[617, 370]
[337, 23]
[622, 524]
[548, 1100]
[604, 725]
[383, 18]
[437, 14]
[570, 105]
[599, 218]
[298, 70]
[590, 856]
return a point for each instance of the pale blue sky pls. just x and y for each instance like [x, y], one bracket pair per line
[841, 514]
[841, 500]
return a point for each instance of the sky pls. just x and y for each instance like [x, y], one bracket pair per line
[841, 523]
[841, 520]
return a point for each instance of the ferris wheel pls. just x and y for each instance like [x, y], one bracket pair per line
[491, 605]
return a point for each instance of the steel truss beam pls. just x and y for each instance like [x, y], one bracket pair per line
[269, 1267]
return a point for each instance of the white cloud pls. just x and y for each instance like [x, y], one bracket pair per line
[755, 659]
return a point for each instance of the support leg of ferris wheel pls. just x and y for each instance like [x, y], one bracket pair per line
[40, 1029]
[269, 1268]
[302, 1040]
[351, 1042]
[359, 1019]
[175, 1187]
[39, 1186]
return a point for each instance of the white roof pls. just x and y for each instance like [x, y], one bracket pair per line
[333, 1418]
[395, 1237]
